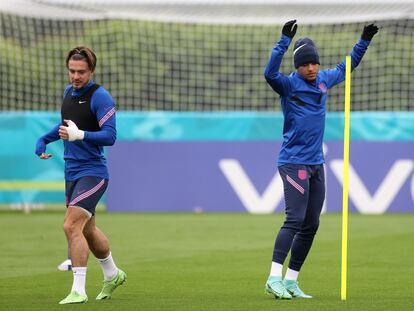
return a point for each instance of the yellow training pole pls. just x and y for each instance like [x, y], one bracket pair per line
[345, 179]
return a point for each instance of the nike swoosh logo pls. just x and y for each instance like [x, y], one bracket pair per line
[82, 101]
[294, 52]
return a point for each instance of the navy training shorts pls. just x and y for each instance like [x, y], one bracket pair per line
[85, 192]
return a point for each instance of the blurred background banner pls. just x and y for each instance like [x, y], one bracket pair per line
[214, 161]
[241, 176]
[187, 77]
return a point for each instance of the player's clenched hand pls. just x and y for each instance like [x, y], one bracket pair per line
[63, 132]
[289, 29]
[369, 32]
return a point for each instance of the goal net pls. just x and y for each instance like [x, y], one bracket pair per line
[195, 55]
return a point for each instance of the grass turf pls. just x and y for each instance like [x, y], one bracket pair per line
[208, 262]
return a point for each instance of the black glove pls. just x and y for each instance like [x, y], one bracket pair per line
[368, 32]
[289, 29]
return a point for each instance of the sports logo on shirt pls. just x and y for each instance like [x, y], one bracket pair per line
[322, 87]
[82, 101]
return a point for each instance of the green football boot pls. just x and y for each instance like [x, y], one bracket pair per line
[110, 286]
[293, 289]
[275, 287]
[74, 297]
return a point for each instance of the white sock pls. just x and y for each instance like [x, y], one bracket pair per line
[276, 269]
[291, 275]
[79, 280]
[109, 268]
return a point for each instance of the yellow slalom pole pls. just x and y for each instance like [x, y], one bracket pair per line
[345, 178]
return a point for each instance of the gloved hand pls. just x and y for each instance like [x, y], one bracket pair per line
[368, 32]
[289, 29]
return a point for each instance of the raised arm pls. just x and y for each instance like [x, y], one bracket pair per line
[337, 75]
[277, 80]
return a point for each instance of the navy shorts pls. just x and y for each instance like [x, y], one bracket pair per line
[85, 192]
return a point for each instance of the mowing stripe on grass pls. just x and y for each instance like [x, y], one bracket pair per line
[21, 185]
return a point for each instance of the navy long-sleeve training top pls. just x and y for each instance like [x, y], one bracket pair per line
[304, 104]
[86, 157]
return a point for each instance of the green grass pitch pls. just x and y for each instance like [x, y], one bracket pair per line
[178, 261]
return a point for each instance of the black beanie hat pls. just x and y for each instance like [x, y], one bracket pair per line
[305, 52]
